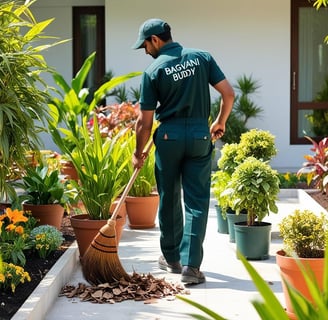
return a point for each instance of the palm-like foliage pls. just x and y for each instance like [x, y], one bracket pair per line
[22, 101]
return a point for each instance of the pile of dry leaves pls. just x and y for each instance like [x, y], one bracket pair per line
[139, 288]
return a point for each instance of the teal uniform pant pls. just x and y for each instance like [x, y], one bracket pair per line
[183, 168]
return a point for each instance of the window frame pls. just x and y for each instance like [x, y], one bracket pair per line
[78, 59]
[295, 105]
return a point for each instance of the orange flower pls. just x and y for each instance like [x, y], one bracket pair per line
[16, 215]
[3, 217]
[19, 230]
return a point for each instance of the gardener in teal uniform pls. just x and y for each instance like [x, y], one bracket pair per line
[175, 87]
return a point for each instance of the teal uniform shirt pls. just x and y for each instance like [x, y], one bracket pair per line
[176, 84]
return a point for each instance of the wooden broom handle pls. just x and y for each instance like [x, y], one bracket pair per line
[129, 185]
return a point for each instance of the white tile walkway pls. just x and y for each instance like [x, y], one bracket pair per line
[228, 289]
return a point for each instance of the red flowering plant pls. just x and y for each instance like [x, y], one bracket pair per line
[113, 118]
[316, 166]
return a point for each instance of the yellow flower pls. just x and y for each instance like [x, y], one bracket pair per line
[10, 227]
[2, 278]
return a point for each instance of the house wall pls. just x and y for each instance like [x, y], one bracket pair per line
[251, 38]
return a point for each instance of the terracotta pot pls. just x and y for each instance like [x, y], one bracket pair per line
[122, 212]
[142, 211]
[291, 272]
[86, 230]
[51, 214]
[68, 170]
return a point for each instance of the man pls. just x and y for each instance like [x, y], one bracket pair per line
[175, 87]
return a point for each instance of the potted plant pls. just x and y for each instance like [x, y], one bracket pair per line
[99, 163]
[143, 199]
[227, 163]
[44, 195]
[95, 158]
[304, 234]
[23, 92]
[254, 187]
[219, 181]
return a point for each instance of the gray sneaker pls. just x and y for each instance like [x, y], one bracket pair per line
[192, 275]
[172, 267]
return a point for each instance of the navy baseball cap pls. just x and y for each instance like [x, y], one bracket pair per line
[149, 28]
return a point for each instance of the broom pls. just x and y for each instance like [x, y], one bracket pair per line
[100, 263]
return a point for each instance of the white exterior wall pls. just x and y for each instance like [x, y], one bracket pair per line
[251, 38]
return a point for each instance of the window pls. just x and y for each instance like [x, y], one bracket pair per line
[89, 36]
[309, 71]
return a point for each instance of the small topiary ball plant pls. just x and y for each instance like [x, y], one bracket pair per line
[254, 187]
[46, 239]
[304, 233]
[256, 143]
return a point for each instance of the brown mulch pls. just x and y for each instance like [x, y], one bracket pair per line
[143, 287]
[321, 198]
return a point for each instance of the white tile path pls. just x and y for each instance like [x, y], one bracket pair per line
[228, 289]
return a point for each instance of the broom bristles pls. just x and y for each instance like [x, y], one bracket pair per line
[100, 263]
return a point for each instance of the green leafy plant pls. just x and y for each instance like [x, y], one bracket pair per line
[256, 143]
[219, 182]
[42, 186]
[316, 166]
[304, 233]
[228, 159]
[72, 109]
[46, 239]
[23, 93]
[254, 187]
[99, 163]
[145, 182]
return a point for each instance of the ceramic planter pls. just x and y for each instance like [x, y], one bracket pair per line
[51, 214]
[232, 218]
[291, 272]
[142, 211]
[222, 222]
[253, 242]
